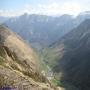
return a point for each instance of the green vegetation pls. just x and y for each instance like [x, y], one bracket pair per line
[2, 55]
[2, 51]
[55, 82]
[1, 60]
[40, 58]
[50, 56]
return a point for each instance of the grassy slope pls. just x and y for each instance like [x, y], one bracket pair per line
[13, 65]
[13, 68]
[51, 56]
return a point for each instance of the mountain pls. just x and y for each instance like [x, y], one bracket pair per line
[71, 55]
[19, 64]
[82, 16]
[69, 47]
[40, 30]
[3, 19]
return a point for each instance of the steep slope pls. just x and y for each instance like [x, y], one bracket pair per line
[73, 55]
[18, 64]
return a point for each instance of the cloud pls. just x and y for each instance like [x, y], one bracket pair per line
[46, 9]
[10, 13]
[71, 8]
[58, 9]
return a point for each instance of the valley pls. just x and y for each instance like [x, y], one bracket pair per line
[45, 52]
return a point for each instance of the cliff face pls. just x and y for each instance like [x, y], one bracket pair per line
[18, 64]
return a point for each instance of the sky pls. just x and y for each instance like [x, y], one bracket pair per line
[43, 7]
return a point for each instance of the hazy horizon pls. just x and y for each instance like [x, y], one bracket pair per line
[46, 7]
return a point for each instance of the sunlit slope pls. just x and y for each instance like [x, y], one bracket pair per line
[18, 63]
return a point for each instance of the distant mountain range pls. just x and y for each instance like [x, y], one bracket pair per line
[3, 19]
[41, 30]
